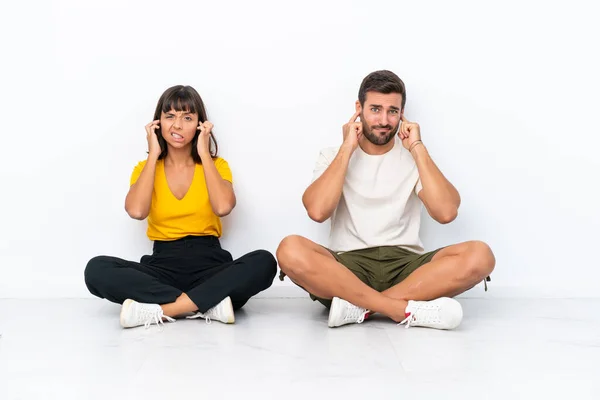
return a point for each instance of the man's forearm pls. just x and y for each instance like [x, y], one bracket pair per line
[322, 197]
[439, 196]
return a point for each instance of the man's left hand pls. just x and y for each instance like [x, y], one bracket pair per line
[409, 133]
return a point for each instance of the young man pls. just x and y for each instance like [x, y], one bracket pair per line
[372, 187]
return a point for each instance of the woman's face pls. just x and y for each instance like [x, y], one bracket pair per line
[178, 127]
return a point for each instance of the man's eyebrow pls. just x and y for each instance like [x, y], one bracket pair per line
[380, 106]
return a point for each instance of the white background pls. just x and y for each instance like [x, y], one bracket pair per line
[506, 95]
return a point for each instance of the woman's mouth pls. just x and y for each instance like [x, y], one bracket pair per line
[177, 137]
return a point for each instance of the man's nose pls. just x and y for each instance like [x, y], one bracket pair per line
[383, 119]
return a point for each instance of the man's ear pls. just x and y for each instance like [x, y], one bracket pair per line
[358, 107]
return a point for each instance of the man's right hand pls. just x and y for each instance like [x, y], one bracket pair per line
[352, 132]
[154, 149]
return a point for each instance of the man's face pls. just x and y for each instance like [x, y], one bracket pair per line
[381, 116]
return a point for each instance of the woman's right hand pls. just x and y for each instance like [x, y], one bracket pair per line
[154, 149]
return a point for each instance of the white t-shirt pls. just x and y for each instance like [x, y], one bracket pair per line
[379, 205]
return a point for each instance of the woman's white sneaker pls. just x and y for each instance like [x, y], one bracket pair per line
[343, 312]
[137, 314]
[222, 312]
[442, 313]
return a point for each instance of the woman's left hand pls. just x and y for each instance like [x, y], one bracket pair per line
[204, 138]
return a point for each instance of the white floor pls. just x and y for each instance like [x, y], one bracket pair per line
[282, 349]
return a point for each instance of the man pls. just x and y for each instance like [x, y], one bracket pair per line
[372, 188]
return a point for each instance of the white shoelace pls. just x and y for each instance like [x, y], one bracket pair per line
[355, 313]
[200, 315]
[153, 317]
[407, 321]
[422, 313]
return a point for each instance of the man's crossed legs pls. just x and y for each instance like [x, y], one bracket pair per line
[421, 292]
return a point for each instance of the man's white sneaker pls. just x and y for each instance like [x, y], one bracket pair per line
[222, 312]
[343, 312]
[137, 314]
[442, 313]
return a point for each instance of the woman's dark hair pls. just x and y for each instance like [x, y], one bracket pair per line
[381, 82]
[186, 99]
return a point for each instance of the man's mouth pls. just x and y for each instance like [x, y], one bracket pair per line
[382, 129]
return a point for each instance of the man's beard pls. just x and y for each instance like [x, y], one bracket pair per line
[376, 139]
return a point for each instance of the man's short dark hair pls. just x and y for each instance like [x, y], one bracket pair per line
[381, 82]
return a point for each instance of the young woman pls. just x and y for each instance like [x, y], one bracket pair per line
[183, 188]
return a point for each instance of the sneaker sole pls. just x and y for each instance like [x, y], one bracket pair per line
[334, 306]
[124, 308]
[457, 313]
[229, 306]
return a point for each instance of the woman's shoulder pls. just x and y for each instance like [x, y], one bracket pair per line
[220, 161]
[223, 168]
[137, 170]
[141, 164]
